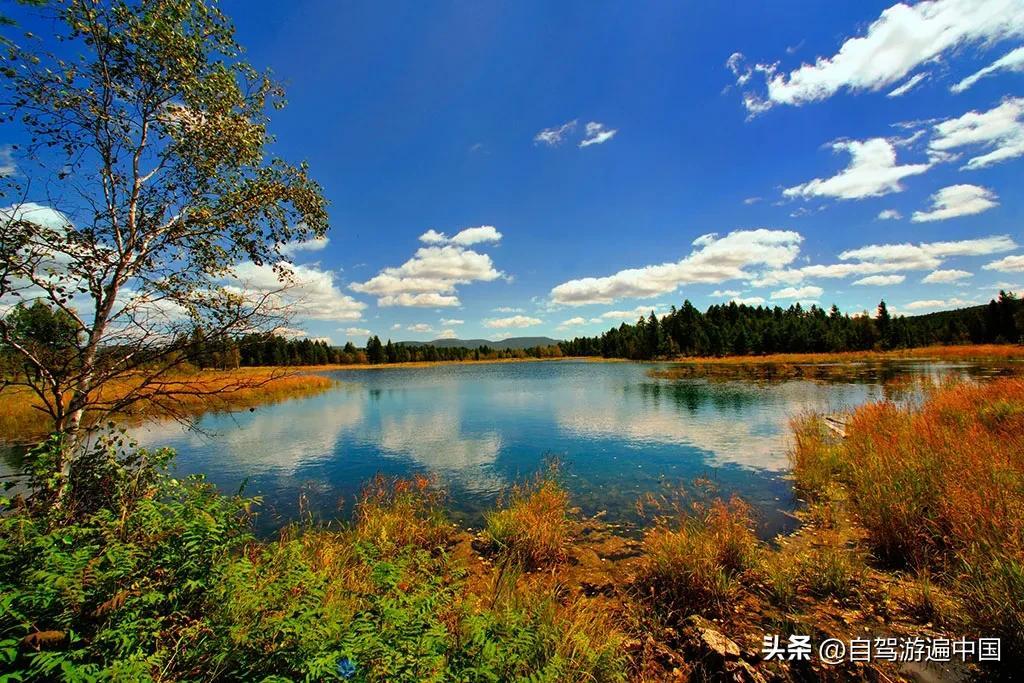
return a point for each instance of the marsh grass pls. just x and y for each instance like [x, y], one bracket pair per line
[692, 562]
[938, 486]
[835, 366]
[533, 526]
[180, 393]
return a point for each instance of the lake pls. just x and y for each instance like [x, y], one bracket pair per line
[618, 434]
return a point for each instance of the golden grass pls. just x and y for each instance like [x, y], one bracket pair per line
[178, 393]
[534, 527]
[938, 486]
[850, 364]
[692, 565]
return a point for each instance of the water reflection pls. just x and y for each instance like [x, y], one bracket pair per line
[480, 427]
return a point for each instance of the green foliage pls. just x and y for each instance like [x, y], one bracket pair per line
[160, 578]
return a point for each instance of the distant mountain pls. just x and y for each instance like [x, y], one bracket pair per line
[510, 343]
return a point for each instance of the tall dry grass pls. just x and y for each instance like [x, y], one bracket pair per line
[692, 564]
[533, 527]
[177, 393]
[938, 486]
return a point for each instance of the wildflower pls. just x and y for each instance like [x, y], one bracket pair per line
[346, 668]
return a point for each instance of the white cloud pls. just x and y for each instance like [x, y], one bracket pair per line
[632, 315]
[507, 309]
[1011, 61]
[713, 260]
[880, 280]
[903, 38]
[554, 136]
[597, 134]
[7, 164]
[433, 237]
[1000, 129]
[872, 172]
[451, 321]
[514, 321]
[425, 300]
[889, 215]
[751, 200]
[937, 304]
[447, 334]
[957, 200]
[355, 331]
[1009, 264]
[946, 276]
[420, 327]
[396, 326]
[315, 244]
[912, 83]
[430, 277]
[727, 293]
[312, 294]
[463, 238]
[748, 300]
[807, 292]
[572, 322]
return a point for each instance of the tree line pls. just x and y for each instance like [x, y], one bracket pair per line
[738, 329]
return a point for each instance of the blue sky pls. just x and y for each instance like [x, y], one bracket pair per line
[771, 152]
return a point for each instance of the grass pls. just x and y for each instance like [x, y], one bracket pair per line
[938, 486]
[533, 527]
[177, 393]
[691, 564]
[833, 365]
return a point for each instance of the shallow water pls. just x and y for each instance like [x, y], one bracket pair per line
[618, 433]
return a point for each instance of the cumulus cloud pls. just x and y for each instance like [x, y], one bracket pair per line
[447, 334]
[315, 244]
[946, 276]
[872, 172]
[880, 280]
[748, 300]
[451, 321]
[463, 238]
[957, 200]
[597, 134]
[889, 215]
[805, 293]
[554, 136]
[355, 331]
[572, 322]
[727, 293]
[1009, 264]
[430, 277]
[903, 38]
[999, 130]
[1011, 61]
[878, 259]
[713, 260]
[938, 304]
[312, 293]
[631, 315]
[512, 322]
[420, 327]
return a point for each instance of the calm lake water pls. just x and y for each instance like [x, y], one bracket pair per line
[618, 433]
